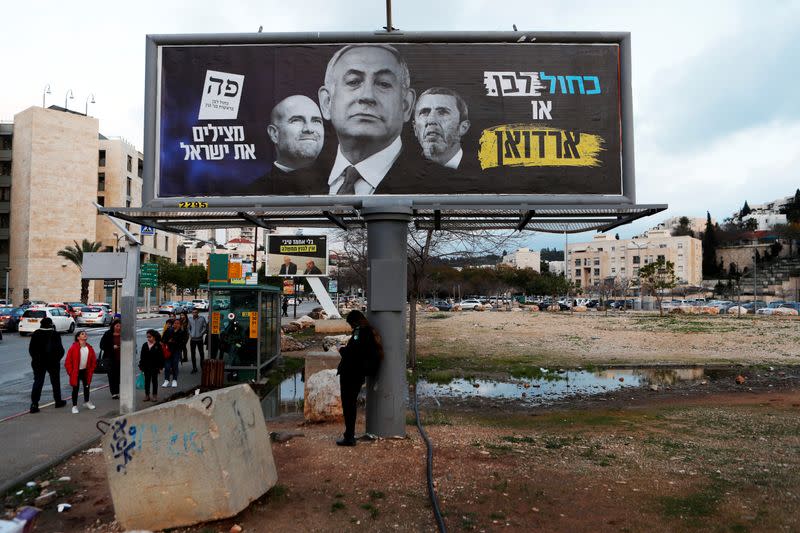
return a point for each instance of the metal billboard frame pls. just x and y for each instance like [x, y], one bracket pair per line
[441, 202]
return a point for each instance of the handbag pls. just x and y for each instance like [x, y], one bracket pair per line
[103, 364]
[140, 381]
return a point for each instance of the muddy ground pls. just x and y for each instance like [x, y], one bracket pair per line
[719, 456]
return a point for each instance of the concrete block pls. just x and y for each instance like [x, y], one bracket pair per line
[323, 399]
[332, 327]
[188, 461]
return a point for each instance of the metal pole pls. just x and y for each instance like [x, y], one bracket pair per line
[387, 231]
[127, 373]
[7, 271]
[389, 16]
[755, 276]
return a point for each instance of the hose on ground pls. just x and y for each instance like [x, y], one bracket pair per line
[431, 491]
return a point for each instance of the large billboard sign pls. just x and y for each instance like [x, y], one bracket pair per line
[297, 255]
[296, 115]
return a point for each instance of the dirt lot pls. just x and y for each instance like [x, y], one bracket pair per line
[718, 457]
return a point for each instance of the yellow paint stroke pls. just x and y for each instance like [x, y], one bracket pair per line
[531, 145]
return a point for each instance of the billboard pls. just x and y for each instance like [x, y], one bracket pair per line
[310, 118]
[297, 255]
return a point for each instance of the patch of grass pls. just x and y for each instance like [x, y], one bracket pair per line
[278, 493]
[498, 449]
[468, 521]
[501, 486]
[554, 443]
[373, 511]
[497, 515]
[440, 315]
[696, 505]
[518, 440]
[441, 377]
[431, 418]
[592, 453]
[376, 495]
[337, 506]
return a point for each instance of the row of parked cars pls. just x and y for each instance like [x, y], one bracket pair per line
[177, 307]
[759, 307]
[65, 316]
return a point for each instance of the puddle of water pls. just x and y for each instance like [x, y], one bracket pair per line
[285, 398]
[559, 385]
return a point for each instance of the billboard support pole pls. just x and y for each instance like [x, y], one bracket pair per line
[128, 360]
[387, 232]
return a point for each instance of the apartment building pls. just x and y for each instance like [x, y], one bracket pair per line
[59, 165]
[523, 258]
[606, 257]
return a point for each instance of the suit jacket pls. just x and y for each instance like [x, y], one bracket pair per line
[314, 270]
[411, 173]
[292, 270]
[304, 181]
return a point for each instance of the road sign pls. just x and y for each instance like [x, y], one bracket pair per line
[147, 230]
[148, 275]
[333, 285]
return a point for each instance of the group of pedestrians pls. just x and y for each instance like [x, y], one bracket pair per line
[161, 351]
[47, 351]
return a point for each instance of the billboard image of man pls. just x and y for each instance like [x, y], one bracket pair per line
[312, 268]
[296, 130]
[287, 268]
[441, 118]
[368, 97]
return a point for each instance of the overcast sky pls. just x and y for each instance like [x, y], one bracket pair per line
[715, 84]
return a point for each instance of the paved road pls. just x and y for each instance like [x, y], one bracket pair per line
[16, 376]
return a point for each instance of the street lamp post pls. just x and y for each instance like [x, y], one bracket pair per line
[86, 109]
[68, 96]
[45, 92]
[8, 269]
[638, 278]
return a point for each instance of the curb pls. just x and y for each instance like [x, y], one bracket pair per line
[9, 484]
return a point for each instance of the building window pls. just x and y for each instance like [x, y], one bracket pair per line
[661, 258]
[680, 245]
[101, 200]
[613, 270]
[127, 203]
[127, 226]
[577, 272]
[5, 194]
[128, 187]
[5, 168]
[102, 159]
[101, 181]
[622, 269]
[166, 242]
[637, 260]
[662, 245]
[596, 271]
[4, 247]
[130, 164]
[613, 248]
[599, 249]
[4, 220]
[139, 167]
[577, 262]
[596, 262]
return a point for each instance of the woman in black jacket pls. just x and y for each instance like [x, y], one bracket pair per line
[151, 361]
[361, 357]
[110, 344]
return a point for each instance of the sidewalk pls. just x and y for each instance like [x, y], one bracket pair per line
[32, 443]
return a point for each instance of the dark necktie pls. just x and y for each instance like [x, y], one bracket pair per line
[351, 176]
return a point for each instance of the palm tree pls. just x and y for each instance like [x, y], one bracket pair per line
[75, 254]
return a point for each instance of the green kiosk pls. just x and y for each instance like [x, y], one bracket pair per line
[243, 323]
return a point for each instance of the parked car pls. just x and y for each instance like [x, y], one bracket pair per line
[95, 316]
[441, 305]
[9, 318]
[200, 304]
[792, 305]
[31, 318]
[754, 306]
[171, 307]
[470, 304]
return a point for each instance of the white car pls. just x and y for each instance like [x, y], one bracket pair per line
[31, 318]
[200, 304]
[95, 316]
[470, 304]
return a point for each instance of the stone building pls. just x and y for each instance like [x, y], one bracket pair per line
[59, 165]
[523, 258]
[606, 257]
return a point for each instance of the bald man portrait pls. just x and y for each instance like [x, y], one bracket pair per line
[296, 131]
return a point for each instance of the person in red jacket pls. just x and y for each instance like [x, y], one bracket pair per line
[80, 364]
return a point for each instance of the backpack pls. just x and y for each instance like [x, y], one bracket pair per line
[165, 350]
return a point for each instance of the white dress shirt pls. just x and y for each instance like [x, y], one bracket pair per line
[455, 160]
[283, 167]
[373, 169]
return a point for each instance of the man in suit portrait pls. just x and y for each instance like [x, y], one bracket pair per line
[312, 268]
[288, 268]
[368, 97]
[441, 118]
[296, 130]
